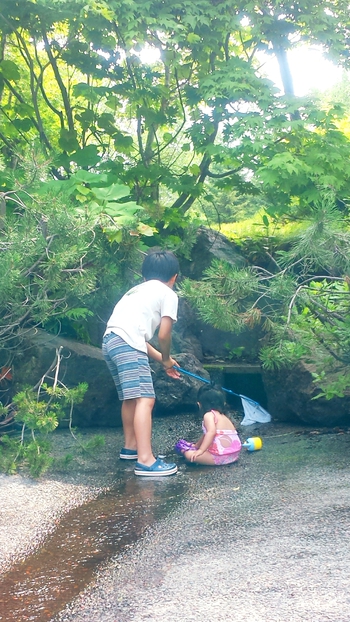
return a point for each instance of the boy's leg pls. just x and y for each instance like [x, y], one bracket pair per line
[132, 375]
[128, 414]
[143, 430]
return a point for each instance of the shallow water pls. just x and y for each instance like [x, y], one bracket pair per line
[87, 536]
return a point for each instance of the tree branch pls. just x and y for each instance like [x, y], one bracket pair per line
[64, 93]
[24, 51]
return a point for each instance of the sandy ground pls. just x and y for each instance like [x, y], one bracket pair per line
[264, 540]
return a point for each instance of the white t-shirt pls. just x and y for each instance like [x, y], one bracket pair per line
[137, 315]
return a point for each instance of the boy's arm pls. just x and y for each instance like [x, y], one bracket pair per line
[153, 353]
[164, 339]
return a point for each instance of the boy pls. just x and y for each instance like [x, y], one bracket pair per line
[126, 350]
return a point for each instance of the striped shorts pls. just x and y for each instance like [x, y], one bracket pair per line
[129, 368]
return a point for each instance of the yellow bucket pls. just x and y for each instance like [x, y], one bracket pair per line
[253, 444]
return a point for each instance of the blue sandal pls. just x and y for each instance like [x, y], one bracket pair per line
[157, 469]
[128, 454]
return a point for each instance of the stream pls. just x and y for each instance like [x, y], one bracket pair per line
[86, 537]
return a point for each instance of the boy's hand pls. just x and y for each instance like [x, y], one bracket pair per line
[170, 370]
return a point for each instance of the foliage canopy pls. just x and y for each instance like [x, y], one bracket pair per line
[75, 76]
[105, 151]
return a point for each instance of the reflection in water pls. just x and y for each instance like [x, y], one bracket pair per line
[39, 587]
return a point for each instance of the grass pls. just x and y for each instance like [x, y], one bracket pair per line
[255, 227]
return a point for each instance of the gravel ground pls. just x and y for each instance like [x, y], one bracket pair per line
[262, 540]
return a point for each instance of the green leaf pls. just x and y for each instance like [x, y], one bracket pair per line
[193, 38]
[112, 192]
[114, 235]
[90, 178]
[81, 198]
[122, 142]
[106, 122]
[10, 70]
[183, 71]
[24, 110]
[112, 102]
[91, 93]
[78, 313]
[68, 140]
[94, 208]
[83, 190]
[122, 209]
[195, 170]
[24, 125]
[88, 156]
[86, 118]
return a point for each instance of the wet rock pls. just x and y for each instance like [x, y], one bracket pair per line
[291, 393]
[174, 395]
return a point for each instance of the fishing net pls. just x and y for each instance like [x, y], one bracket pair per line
[253, 412]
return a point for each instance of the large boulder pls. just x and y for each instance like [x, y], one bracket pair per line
[79, 363]
[219, 345]
[85, 363]
[184, 337]
[291, 397]
[210, 244]
[178, 395]
[196, 336]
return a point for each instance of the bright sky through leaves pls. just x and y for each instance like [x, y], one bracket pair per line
[310, 70]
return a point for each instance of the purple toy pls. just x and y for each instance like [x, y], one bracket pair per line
[182, 446]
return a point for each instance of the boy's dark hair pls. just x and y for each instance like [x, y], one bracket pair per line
[211, 397]
[160, 265]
